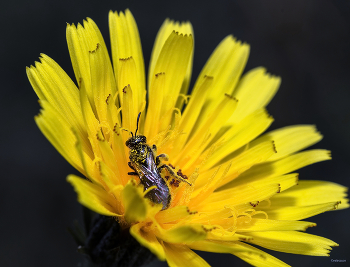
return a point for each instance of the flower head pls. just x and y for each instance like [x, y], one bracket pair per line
[198, 173]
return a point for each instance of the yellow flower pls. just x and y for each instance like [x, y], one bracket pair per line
[229, 186]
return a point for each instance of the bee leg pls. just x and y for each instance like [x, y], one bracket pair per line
[154, 148]
[132, 167]
[154, 151]
[164, 157]
[173, 173]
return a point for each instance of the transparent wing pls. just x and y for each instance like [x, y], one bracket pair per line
[149, 176]
[149, 172]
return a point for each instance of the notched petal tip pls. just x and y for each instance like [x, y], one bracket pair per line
[36, 64]
[43, 57]
[336, 205]
[121, 13]
[309, 226]
[85, 22]
[329, 154]
[37, 117]
[29, 70]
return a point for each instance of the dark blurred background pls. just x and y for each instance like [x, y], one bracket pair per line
[304, 42]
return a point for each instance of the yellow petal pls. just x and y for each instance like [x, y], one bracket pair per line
[134, 202]
[52, 84]
[129, 111]
[173, 214]
[165, 30]
[254, 91]
[239, 164]
[86, 161]
[225, 65]
[111, 180]
[191, 113]
[257, 257]
[81, 40]
[125, 43]
[181, 234]
[79, 53]
[280, 167]
[239, 135]
[217, 246]
[285, 181]
[93, 196]
[221, 220]
[128, 77]
[109, 160]
[90, 121]
[290, 139]
[204, 134]
[155, 100]
[210, 186]
[102, 81]
[225, 236]
[238, 195]
[260, 225]
[35, 81]
[148, 240]
[249, 158]
[58, 132]
[173, 60]
[293, 242]
[298, 212]
[182, 256]
[247, 253]
[245, 192]
[120, 154]
[312, 193]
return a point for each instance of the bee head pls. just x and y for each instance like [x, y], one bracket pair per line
[135, 140]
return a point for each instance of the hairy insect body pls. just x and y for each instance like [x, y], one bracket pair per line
[143, 162]
[147, 166]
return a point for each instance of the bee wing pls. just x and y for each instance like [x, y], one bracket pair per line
[149, 171]
[150, 177]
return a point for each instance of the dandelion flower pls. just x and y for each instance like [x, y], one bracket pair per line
[228, 186]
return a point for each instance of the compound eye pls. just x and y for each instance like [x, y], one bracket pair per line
[127, 143]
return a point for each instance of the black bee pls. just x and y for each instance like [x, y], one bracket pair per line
[147, 166]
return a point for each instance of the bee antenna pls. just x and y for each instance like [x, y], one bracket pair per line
[137, 123]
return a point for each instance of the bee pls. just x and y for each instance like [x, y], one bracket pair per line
[147, 166]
